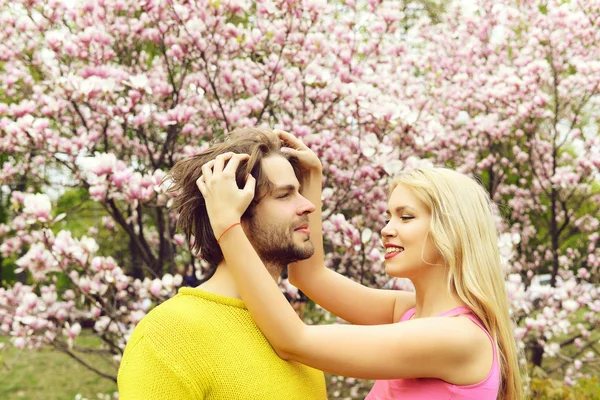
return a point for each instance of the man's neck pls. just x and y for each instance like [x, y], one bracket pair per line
[222, 281]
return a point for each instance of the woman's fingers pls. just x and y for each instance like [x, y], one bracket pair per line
[207, 170]
[290, 151]
[234, 163]
[290, 140]
[295, 147]
[219, 162]
[217, 166]
[250, 186]
[201, 185]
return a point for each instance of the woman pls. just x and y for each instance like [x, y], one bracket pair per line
[454, 339]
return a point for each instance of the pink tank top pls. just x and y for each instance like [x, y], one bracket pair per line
[433, 388]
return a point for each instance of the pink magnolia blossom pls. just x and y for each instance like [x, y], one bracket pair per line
[37, 206]
[71, 332]
[156, 287]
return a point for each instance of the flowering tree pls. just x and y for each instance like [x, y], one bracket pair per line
[105, 96]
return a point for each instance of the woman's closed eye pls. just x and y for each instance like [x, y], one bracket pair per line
[403, 218]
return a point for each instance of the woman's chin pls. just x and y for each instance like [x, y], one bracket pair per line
[393, 270]
[396, 270]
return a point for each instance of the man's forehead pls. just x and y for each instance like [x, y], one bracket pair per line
[279, 171]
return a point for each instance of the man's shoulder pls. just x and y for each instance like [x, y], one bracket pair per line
[181, 316]
[174, 313]
[176, 306]
[152, 355]
[166, 327]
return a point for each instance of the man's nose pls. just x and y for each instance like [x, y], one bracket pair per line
[306, 207]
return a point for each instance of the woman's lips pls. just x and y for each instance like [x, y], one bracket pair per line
[394, 251]
[390, 255]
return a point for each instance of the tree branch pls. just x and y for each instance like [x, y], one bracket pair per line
[66, 350]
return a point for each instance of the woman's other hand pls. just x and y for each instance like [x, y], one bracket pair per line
[295, 147]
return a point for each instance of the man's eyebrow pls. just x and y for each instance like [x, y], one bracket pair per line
[284, 188]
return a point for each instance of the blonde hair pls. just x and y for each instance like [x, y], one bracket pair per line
[463, 230]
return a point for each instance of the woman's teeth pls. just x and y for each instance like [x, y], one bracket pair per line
[394, 250]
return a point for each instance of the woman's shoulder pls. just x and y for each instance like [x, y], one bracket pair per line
[405, 302]
[472, 345]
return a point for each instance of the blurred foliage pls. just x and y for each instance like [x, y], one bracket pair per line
[549, 389]
[52, 375]
[85, 218]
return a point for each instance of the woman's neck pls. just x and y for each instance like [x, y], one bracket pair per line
[433, 295]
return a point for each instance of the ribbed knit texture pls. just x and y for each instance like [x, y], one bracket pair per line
[200, 345]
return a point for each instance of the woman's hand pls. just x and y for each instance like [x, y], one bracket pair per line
[295, 147]
[225, 202]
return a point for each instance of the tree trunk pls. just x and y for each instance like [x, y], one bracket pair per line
[554, 236]
[537, 354]
[136, 263]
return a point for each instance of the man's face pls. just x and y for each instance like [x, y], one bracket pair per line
[278, 228]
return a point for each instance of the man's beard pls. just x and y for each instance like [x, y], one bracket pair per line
[275, 243]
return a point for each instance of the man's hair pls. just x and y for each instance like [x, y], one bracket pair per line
[193, 217]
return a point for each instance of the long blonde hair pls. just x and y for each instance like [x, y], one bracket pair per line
[463, 230]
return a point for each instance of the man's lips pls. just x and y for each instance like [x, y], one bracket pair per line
[303, 229]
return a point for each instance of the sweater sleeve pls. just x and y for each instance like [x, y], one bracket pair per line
[144, 375]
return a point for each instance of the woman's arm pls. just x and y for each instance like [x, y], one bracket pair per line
[428, 347]
[336, 293]
[421, 348]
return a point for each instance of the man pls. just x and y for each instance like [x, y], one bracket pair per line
[203, 343]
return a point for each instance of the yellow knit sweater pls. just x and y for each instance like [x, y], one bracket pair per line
[201, 345]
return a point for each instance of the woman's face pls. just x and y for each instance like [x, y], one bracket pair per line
[406, 238]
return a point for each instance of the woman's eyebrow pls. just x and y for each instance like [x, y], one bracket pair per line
[400, 209]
